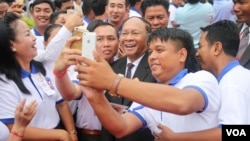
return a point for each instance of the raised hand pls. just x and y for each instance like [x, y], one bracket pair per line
[16, 8]
[96, 74]
[68, 56]
[23, 116]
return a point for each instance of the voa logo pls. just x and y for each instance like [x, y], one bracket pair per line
[236, 132]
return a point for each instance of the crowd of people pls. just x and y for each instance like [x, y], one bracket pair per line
[164, 70]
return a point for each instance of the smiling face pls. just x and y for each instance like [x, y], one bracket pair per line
[165, 60]
[242, 10]
[107, 42]
[40, 14]
[157, 16]
[133, 38]
[24, 43]
[116, 11]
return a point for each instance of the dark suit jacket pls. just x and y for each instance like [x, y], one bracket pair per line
[143, 73]
[245, 59]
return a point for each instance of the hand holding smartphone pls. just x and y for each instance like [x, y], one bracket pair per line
[88, 44]
[21, 2]
[78, 32]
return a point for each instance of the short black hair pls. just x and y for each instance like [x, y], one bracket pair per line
[133, 2]
[226, 32]
[58, 3]
[126, 3]
[96, 23]
[149, 3]
[54, 16]
[49, 29]
[182, 39]
[99, 7]
[87, 6]
[193, 1]
[36, 2]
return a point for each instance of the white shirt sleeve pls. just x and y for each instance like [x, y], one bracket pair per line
[55, 47]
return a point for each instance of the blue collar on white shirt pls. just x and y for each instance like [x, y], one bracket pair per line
[25, 74]
[36, 32]
[86, 19]
[178, 77]
[176, 6]
[120, 28]
[133, 9]
[226, 69]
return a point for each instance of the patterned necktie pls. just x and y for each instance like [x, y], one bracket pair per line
[129, 66]
[243, 43]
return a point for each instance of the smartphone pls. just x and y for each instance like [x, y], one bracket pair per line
[78, 31]
[88, 44]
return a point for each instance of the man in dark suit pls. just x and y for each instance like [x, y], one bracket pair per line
[242, 11]
[133, 40]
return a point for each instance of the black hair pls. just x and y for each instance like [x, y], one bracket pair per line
[126, 3]
[9, 66]
[54, 16]
[149, 3]
[182, 39]
[36, 2]
[226, 32]
[49, 29]
[87, 6]
[96, 23]
[58, 3]
[193, 1]
[99, 7]
[133, 2]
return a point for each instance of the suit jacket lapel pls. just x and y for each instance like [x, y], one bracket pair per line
[140, 73]
[245, 57]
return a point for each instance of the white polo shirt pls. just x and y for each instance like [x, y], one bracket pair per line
[39, 39]
[4, 132]
[202, 81]
[86, 117]
[42, 90]
[235, 94]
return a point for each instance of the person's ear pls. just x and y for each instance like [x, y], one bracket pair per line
[217, 48]
[12, 47]
[183, 54]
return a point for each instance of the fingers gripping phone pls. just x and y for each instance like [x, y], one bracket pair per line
[78, 32]
[20, 1]
[88, 44]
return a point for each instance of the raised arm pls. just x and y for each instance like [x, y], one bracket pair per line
[118, 124]
[67, 58]
[56, 45]
[169, 99]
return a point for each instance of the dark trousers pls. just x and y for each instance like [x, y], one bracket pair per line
[140, 135]
[84, 137]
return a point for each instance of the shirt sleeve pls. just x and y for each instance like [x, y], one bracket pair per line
[55, 47]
